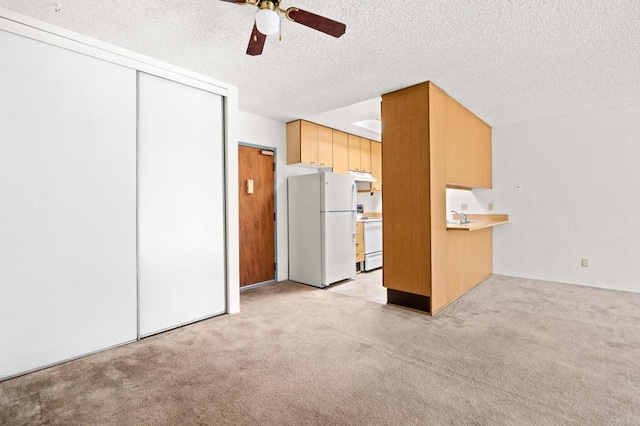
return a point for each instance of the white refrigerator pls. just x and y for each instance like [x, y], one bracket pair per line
[322, 228]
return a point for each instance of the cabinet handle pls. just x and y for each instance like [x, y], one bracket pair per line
[313, 162]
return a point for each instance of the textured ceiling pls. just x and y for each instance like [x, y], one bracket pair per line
[507, 60]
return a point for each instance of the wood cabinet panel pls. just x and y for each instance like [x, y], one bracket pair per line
[325, 146]
[365, 155]
[376, 165]
[438, 201]
[308, 143]
[457, 153]
[405, 159]
[360, 242]
[354, 153]
[293, 142]
[485, 177]
[468, 156]
[340, 152]
[476, 250]
[302, 142]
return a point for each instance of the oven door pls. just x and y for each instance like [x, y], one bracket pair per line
[372, 236]
[372, 261]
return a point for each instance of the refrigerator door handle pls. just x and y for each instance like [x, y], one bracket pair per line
[354, 224]
[353, 192]
[353, 206]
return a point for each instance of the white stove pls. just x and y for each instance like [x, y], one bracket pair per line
[372, 242]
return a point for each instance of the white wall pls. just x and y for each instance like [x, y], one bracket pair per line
[258, 130]
[579, 198]
[371, 201]
[476, 200]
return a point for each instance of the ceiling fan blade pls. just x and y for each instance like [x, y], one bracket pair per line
[317, 22]
[235, 1]
[256, 42]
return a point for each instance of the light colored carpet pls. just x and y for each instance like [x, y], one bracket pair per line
[510, 352]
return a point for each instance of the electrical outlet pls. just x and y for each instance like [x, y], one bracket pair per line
[464, 206]
[490, 206]
[584, 262]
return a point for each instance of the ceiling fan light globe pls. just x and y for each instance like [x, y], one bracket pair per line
[268, 22]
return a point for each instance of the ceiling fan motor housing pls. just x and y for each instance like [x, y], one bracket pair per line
[268, 4]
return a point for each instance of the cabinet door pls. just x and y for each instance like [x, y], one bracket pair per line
[354, 153]
[360, 242]
[468, 145]
[484, 156]
[308, 143]
[340, 152]
[365, 155]
[293, 142]
[325, 146]
[376, 165]
[457, 136]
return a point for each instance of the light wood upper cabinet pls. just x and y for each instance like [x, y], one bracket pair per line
[359, 154]
[302, 142]
[365, 155]
[457, 156]
[468, 146]
[354, 153]
[309, 143]
[484, 156]
[340, 152]
[317, 145]
[325, 146]
[376, 165]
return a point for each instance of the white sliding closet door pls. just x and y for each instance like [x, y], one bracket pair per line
[181, 245]
[67, 204]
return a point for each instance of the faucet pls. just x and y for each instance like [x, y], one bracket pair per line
[463, 217]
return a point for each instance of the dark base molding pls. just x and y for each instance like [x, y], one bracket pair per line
[409, 300]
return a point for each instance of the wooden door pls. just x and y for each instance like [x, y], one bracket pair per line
[257, 215]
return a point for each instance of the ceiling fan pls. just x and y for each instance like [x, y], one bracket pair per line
[268, 22]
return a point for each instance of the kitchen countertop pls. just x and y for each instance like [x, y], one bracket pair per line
[479, 221]
[370, 219]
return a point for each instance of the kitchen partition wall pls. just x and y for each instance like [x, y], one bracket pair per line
[112, 220]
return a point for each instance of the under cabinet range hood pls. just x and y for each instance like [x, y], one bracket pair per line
[362, 176]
